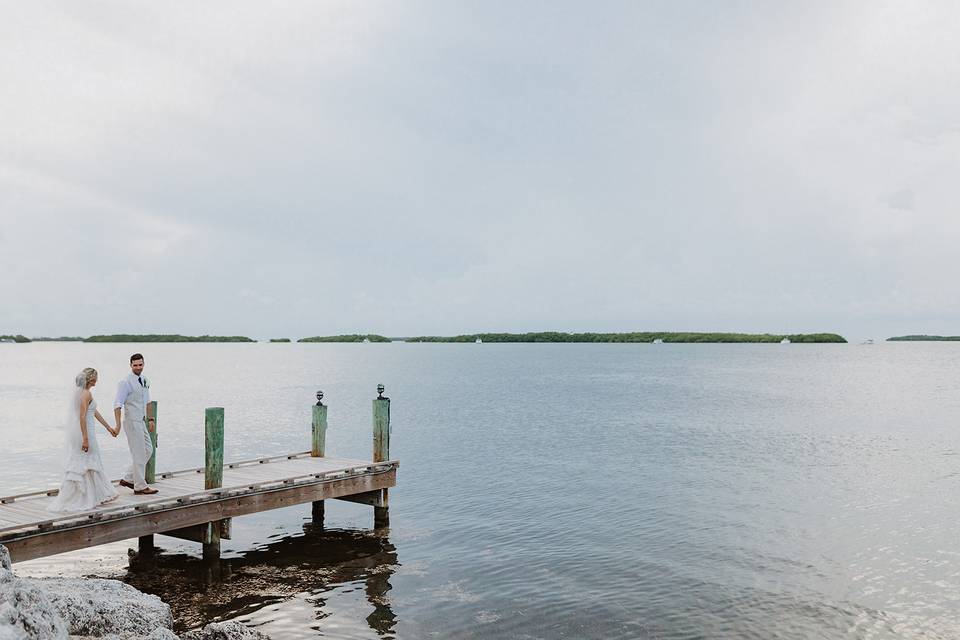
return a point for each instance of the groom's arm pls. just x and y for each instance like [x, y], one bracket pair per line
[123, 389]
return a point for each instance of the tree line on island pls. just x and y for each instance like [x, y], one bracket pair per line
[349, 337]
[172, 337]
[543, 336]
[643, 336]
[536, 337]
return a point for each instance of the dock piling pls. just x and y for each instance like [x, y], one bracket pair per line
[319, 440]
[318, 448]
[145, 546]
[381, 450]
[213, 474]
[213, 448]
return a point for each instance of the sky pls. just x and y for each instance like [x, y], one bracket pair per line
[406, 168]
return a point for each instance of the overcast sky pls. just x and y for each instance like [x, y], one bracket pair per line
[281, 169]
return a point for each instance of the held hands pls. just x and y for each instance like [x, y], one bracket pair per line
[85, 447]
[151, 425]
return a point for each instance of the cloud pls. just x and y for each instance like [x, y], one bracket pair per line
[469, 167]
[902, 199]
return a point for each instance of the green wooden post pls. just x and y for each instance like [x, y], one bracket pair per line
[213, 474]
[145, 543]
[318, 448]
[381, 449]
[213, 449]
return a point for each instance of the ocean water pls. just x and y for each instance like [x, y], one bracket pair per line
[553, 490]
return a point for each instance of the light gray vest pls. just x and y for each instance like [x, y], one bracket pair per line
[135, 406]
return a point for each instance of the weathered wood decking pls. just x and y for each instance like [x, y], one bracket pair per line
[29, 531]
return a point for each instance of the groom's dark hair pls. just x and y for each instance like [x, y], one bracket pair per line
[136, 356]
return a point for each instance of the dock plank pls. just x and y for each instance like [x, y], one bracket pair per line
[9, 519]
[180, 484]
[27, 512]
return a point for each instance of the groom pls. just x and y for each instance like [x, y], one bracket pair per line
[133, 400]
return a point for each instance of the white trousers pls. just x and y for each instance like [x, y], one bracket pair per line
[141, 448]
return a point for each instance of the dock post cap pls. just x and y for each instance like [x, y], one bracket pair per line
[380, 390]
[319, 398]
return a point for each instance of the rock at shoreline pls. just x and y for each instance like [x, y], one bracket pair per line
[88, 609]
[158, 634]
[231, 630]
[93, 607]
[26, 611]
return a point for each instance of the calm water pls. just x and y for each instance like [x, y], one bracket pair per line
[554, 491]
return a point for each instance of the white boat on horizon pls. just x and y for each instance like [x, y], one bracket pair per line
[658, 341]
[478, 341]
[785, 341]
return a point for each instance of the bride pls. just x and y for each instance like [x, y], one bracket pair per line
[85, 486]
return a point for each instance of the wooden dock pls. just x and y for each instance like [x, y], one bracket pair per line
[197, 504]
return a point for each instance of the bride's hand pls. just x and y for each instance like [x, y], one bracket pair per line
[85, 446]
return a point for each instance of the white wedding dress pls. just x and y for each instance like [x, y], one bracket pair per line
[85, 486]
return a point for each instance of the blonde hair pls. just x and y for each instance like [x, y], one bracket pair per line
[85, 377]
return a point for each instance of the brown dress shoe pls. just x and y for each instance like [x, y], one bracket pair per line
[146, 492]
[128, 485]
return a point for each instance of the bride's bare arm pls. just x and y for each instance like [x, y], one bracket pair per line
[84, 403]
[100, 419]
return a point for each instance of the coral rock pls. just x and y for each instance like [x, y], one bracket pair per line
[231, 630]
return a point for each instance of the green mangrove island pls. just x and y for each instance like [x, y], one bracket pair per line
[350, 337]
[924, 338]
[123, 337]
[646, 336]
[542, 336]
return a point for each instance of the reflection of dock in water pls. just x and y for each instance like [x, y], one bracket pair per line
[316, 563]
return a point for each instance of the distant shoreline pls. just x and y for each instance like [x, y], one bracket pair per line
[350, 337]
[638, 337]
[533, 337]
[166, 338]
[924, 338]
